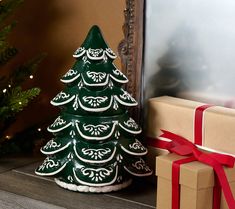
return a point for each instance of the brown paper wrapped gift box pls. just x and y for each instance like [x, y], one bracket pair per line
[196, 184]
[177, 116]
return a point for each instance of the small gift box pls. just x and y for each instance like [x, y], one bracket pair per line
[211, 127]
[196, 187]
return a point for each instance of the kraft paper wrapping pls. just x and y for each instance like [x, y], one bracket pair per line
[196, 184]
[177, 116]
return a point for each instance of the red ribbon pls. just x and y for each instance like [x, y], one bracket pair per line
[175, 181]
[183, 147]
[198, 123]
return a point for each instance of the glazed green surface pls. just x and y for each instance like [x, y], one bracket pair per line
[95, 140]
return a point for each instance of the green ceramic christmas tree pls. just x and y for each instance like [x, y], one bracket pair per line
[95, 147]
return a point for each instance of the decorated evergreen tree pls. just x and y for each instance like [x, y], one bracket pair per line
[95, 147]
[13, 98]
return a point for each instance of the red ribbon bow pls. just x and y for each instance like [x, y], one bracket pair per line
[183, 147]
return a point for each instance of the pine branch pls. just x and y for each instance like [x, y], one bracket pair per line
[6, 8]
[6, 30]
[20, 99]
[22, 72]
[3, 36]
[7, 54]
[16, 100]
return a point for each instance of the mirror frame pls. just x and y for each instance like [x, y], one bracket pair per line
[131, 52]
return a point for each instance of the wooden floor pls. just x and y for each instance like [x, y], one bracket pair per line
[21, 188]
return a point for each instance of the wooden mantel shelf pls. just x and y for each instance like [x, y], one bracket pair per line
[21, 188]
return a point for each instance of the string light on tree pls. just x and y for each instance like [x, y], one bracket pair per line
[7, 137]
[4, 91]
[31, 76]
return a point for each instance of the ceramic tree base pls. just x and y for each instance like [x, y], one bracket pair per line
[82, 188]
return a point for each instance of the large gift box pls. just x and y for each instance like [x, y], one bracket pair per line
[211, 127]
[196, 185]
